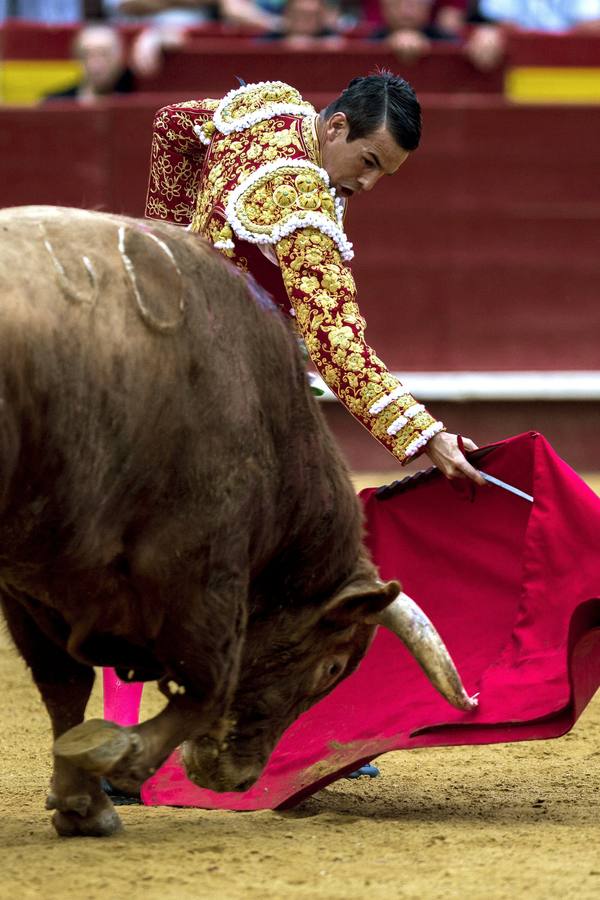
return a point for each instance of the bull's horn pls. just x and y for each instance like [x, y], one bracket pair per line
[417, 632]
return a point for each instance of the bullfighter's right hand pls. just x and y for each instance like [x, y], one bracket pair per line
[444, 452]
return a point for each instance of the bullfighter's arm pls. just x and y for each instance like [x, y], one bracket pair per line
[290, 205]
[322, 292]
[178, 150]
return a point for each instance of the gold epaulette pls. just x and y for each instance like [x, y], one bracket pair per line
[252, 103]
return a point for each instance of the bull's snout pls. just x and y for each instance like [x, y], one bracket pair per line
[244, 786]
[216, 770]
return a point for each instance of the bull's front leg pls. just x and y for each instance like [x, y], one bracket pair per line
[127, 756]
[80, 805]
[200, 648]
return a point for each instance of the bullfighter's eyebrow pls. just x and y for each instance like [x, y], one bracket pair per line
[378, 164]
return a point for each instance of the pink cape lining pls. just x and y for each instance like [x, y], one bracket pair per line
[513, 588]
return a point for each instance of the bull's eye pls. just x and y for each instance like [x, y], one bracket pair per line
[328, 673]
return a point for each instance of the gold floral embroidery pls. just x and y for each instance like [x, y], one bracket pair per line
[274, 198]
[322, 292]
[176, 157]
[190, 196]
[245, 102]
[219, 231]
[233, 158]
[307, 182]
[156, 208]
[284, 195]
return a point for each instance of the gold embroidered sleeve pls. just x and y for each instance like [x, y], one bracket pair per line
[176, 159]
[323, 296]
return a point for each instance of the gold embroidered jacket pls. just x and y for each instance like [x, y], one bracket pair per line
[245, 173]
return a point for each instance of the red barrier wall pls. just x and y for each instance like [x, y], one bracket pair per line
[209, 64]
[483, 250]
[482, 253]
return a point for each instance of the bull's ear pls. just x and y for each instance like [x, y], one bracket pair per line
[361, 601]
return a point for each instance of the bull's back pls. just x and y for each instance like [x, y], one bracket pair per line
[133, 357]
[119, 282]
[106, 302]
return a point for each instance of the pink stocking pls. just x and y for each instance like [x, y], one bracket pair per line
[121, 699]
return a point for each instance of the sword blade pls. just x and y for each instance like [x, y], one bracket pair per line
[506, 487]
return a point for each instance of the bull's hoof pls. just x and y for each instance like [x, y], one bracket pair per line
[77, 803]
[83, 814]
[96, 746]
[71, 824]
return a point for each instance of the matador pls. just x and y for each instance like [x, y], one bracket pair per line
[266, 179]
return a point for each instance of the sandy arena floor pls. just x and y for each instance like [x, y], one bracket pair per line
[509, 821]
[505, 821]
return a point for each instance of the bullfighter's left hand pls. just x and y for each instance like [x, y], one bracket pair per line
[444, 452]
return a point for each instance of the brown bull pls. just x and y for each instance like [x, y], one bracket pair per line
[171, 504]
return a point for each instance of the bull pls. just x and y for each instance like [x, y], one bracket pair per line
[172, 505]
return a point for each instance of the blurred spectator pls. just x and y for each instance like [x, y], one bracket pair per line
[50, 12]
[449, 15]
[545, 15]
[484, 42]
[305, 21]
[191, 12]
[101, 51]
[408, 27]
[348, 14]
[412, 25]
[168, 19]
[248, 12]
[275, 7]
[485, 46]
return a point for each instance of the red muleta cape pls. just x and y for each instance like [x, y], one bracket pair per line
[514, 589]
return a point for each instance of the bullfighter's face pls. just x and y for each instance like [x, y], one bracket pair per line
[285, 672]
[357, 165]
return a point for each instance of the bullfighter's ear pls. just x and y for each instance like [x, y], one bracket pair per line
[361, 601]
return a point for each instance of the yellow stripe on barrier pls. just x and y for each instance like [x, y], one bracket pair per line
[542, 84]
[26, 82]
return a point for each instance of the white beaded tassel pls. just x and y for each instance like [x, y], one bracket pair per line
[424, 437]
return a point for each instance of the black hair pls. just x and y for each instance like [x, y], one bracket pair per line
[382, 98]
